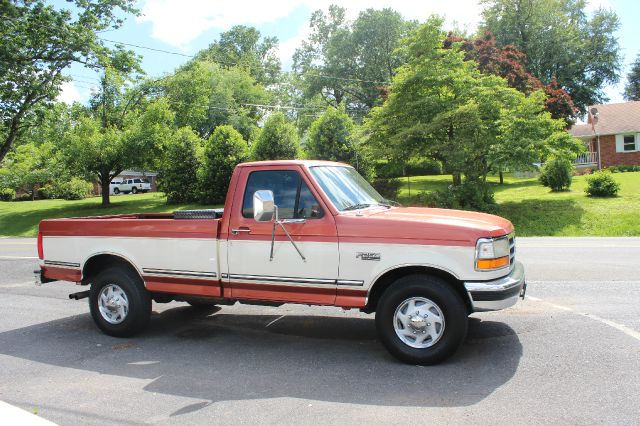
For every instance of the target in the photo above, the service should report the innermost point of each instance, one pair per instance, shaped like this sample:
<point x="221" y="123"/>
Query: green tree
<point x="38" y="43"/>
<point x="178" y="177"/>
<point x="443" y="107"/>
<point x="632" y="88"/>
<point x="331" y="137"/>
<point x="243" y="47"/>
<point x="28" y="166"/>
<point x="278" y="140"/>
<point x="205" y="95"/>
<point x="223" y="151"/>
<point x="561" y="42"/>
<point x="351" y="63"/>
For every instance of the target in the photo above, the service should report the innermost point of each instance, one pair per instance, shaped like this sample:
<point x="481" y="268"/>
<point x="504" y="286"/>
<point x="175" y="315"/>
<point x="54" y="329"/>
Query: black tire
<point x="116" y="191"/>
<point x="441" y="294"/>
<point x="134" y="190"/>
<point x="139" y="302"/>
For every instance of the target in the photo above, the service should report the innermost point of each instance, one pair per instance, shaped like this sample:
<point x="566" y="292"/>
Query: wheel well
<point x="390" y="277"/>
<point x="100" y="262"/>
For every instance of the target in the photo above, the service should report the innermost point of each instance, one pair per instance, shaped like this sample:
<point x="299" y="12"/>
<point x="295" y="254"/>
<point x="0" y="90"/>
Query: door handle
<point x="239" y="230"/>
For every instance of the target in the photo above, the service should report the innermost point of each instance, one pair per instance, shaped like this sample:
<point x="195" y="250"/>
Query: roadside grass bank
<point x="21" y="218"/>
<point x="536" y="211"/>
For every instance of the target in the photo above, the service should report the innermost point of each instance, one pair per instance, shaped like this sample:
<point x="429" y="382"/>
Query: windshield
<point x="346" y="189"/>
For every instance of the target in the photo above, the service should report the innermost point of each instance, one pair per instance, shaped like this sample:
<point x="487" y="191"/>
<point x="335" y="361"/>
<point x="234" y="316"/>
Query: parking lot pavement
<point x="569" y="353"/>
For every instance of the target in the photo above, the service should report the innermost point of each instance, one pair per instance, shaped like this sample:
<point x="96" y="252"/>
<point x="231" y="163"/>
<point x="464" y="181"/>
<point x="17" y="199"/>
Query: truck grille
<point x="512" y="248"/>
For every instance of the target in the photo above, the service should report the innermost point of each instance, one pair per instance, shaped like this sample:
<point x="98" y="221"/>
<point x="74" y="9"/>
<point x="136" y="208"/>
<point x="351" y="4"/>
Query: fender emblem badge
<point x="368" y="256"/>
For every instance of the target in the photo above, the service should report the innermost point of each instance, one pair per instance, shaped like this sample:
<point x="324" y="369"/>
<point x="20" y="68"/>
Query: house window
<point x="629" y="143"/>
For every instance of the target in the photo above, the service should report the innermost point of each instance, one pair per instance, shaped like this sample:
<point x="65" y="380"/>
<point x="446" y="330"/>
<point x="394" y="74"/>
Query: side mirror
<point x="263" y="206"/>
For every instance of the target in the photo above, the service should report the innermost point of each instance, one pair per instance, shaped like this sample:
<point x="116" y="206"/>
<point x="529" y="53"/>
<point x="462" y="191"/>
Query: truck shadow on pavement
<point x="221" y="356"/>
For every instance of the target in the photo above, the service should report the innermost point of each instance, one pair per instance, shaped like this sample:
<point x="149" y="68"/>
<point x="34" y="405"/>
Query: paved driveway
<point x="569" y="353"/>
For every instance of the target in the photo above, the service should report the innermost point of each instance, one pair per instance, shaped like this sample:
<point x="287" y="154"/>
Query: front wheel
<point x="421" y="319"/>
<point x="116" y="191"/>
<point x="119" y="303"/>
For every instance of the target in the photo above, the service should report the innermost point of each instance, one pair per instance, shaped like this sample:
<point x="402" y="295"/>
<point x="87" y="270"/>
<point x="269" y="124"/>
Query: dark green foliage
<point x="623" y="169"/>
<point x="278" y="140"/>
<point x="66" y="189"/>
<point x="556" y="174"/>
<point x="178" y="177"/>
<point x="224" y="149"/>
<point x="602" y="184"/>
<point x="413" y="167"/>
<point x="470" y="195"/>
<point x="331" y="137"/>
<point x="388" y="188"/>
<point x="44" y="193"/>
<point x="632" y="87"/>
<point x="7" y="194"/>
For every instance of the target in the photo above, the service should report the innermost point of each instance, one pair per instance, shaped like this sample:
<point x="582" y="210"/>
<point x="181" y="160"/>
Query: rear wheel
<point x="134" y="190"/>
<point x="119" y="303"/>
<point x="421" y="319"/>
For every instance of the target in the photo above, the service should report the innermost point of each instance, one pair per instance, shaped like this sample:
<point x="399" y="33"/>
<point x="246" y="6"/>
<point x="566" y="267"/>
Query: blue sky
<point x="186" y="26"/>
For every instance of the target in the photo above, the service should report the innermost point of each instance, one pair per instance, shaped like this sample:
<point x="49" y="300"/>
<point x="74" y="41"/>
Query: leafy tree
<point x="29" y="166"/>
<point x="560" y="42"/>
<point x="38" y="43"/>
<point x="510" y="63"/>
<point x="331" y="137"/>
<point x="118" y="132"/>
<point x="278" y="140"/>
<point x="632" y="88"/>
<point x="443" y="107"/>
<point x="205" y="95"/>
<point x="223" y="151"/>
<point x="178" y="177"/>
<point x="351" y="63"/>
<point x="242" y="46"/>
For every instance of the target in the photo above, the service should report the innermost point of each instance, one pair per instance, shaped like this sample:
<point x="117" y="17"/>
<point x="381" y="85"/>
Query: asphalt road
<point x="568" y="354"/>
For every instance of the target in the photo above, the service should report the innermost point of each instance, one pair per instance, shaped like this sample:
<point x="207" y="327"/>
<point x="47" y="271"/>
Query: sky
<point x="183" y="27"/>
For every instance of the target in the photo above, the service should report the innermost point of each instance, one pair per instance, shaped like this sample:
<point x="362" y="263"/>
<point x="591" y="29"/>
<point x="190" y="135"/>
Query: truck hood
<point x="435" y="226"/>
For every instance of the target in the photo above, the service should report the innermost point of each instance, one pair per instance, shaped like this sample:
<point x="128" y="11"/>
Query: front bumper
<point x="497" y="294"/>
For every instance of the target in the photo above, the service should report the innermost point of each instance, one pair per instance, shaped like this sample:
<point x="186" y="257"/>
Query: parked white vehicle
<point x="126" y="186"/>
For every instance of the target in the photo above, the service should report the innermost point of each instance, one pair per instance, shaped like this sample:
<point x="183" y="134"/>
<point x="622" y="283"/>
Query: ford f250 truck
<point x="308" y="232"/>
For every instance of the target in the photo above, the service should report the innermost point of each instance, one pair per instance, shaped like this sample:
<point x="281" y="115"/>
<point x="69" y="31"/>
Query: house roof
<point x="611" y="119"/>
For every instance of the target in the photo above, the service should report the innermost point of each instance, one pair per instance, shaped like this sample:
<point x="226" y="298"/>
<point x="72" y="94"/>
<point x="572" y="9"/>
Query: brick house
<point x="612" y="135"/>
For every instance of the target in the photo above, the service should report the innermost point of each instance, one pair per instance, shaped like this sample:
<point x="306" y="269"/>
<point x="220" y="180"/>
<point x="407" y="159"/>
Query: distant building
<point x="612" y="135"/>
<point x="133" y="174"/>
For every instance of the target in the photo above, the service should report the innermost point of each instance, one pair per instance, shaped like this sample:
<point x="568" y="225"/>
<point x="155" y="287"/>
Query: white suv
<point x="130" y="186"/>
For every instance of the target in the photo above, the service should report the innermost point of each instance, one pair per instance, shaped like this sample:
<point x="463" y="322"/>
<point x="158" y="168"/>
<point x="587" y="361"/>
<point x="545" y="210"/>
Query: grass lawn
<point x="21" y="218"/>
<point x="536" y="211"/>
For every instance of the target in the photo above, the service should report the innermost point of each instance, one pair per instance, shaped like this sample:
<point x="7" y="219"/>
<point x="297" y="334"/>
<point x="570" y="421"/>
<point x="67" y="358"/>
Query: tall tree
<point x="632" y="88"/>
<point x="38" y="43"/>
<point x="331" y="137"/>
<point x="278" y="140"/>
<point x="177" y="176"/>
<point x="561" y="41"/>
<point x="443" y="107"/>
<point x="351" y="63"/>
<point x="245" y="48"/>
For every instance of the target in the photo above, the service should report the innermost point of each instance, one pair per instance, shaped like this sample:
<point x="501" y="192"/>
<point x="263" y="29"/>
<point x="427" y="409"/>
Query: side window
<point x="137" y="180"/>
<point x="290" y="192"/>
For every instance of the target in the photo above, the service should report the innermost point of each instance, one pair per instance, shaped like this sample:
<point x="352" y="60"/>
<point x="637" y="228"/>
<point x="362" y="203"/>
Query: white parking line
<point x="277" y="319"/>
<point x="621" y="327"/>
<point x="18" y="257"/>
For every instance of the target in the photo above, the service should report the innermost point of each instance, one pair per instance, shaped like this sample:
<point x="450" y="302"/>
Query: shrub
<point x="7" y="194"/>
<point x="178" y="173"/>
<point x="556" y="174"/>
<point x="75" y="189"/>
<point x="44" y="192"/>
<point x="23" y="197"/>
<point x="278" y="140"/>
<point x="623" y="169"/>
<point x="420" y="167"/>
<point x="470" y="195"/>
<point x="602" y="184"/>
<point x="388" y="188"/>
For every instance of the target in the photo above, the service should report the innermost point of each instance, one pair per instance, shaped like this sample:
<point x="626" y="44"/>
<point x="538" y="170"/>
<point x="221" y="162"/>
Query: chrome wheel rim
<point x="418" y="322"/>
<point x="113" y="304"/>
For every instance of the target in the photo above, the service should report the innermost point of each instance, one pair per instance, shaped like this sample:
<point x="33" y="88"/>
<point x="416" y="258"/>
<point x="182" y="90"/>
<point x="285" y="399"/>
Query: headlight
<point x="492" y="253"/>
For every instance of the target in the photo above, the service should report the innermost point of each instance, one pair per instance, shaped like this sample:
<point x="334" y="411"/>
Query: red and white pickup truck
<point x="309" y="232"/>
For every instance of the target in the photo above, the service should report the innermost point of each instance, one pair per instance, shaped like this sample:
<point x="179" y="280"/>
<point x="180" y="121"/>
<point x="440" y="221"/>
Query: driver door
<point x="287" y="277"/>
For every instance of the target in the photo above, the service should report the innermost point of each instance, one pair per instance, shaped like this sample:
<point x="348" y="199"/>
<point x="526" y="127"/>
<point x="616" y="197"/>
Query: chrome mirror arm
<point x="277" y="221"/>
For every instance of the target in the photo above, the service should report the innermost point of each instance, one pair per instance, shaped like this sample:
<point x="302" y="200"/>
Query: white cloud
<point x="178" y="22"/>
<point x="69" y="93"/>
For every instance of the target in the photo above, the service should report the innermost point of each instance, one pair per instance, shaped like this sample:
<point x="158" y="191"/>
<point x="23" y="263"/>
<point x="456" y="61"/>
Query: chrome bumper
<point x="497" y="294"/>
